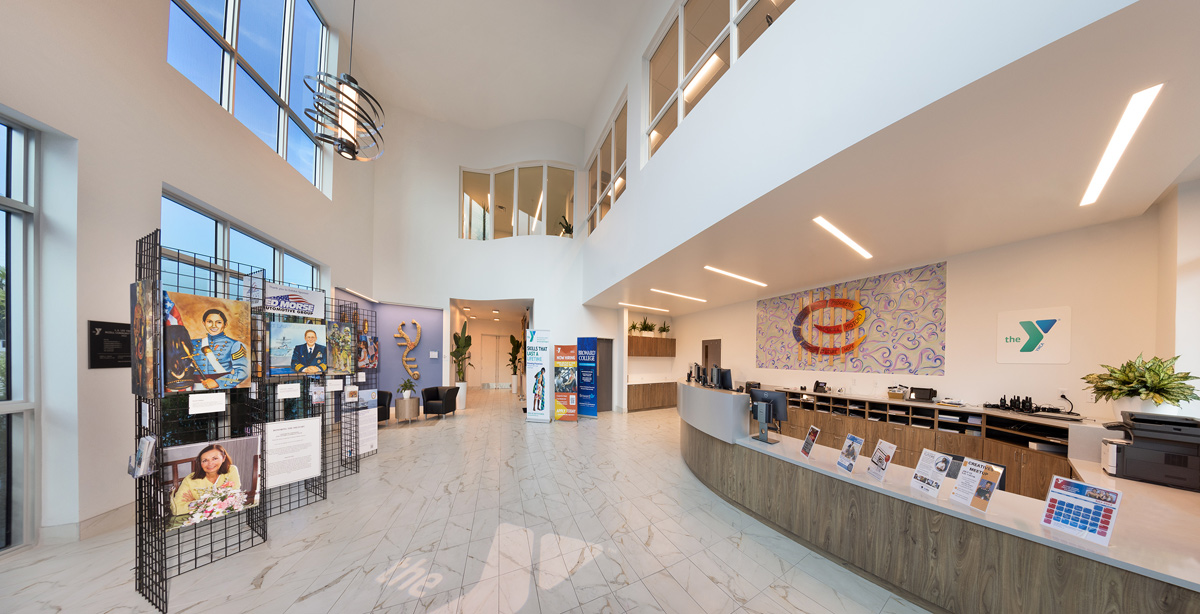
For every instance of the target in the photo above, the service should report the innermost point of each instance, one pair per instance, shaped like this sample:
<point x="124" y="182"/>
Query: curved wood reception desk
<point x="948" y="555"/>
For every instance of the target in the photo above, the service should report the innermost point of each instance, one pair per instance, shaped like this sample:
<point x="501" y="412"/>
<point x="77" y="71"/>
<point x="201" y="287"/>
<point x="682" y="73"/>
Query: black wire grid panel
<point x="341" y="436"/>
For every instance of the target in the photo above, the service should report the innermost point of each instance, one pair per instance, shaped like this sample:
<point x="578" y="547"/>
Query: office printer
<point x="1162" y="449"/>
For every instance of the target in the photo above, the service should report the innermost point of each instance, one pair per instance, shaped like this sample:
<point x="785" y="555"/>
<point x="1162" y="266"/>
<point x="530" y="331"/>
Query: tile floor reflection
<point x="482" y="512"/>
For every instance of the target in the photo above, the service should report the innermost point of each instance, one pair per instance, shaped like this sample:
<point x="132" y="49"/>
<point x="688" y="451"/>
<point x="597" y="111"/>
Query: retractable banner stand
<point x="586" y="376"/>
<point x="565" y="404"/>
<point x="539" y="375"/>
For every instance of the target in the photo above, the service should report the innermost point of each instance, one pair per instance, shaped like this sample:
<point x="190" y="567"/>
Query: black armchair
<point x="441" y="400"/>
<point x="385" y="406"/>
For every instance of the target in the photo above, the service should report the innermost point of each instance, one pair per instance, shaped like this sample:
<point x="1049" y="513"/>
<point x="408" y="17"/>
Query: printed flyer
<point x="849" y="454"/>
<point x="931" y="472"/>
<point x="810" y="441"/>
<point x="884" y="453"/>
<point x="1081" y="509"/>
<point x="977" y="481"/>
<point x="565" y="393"/>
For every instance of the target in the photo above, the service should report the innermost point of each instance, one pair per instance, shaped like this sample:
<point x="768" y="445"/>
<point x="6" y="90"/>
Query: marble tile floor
<point x="483" y="512"/>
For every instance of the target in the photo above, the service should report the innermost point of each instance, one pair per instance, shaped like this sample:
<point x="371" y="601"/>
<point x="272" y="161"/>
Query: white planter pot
<point x="515" y="383"/>
<point x="1135" y="404"/>
<point x="407" y="393"/>
<point x="462" y="395"/>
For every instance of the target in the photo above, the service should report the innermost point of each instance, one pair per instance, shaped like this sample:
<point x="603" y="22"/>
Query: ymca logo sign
<point x="1041" y="336"/>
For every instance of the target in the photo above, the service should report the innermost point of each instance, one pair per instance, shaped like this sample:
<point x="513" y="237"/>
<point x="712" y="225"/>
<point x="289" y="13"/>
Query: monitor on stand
<point x="713" y="376"/>
<point x="768" y="406"/>
<point x="726" y="379"/>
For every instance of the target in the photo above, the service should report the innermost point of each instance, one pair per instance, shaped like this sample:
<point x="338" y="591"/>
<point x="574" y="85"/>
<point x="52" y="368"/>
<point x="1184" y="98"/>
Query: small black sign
<point x="108" y="345"/>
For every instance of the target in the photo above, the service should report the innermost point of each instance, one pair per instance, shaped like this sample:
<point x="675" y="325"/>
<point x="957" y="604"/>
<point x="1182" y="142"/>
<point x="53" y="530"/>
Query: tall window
<point x="16" y="411"/>
<point x="251" y="56"/>
<point x="197" y="246"/>
<point x="609" y="162"/>
<point x="528" y="199"/>
<point x="700" y="41"/>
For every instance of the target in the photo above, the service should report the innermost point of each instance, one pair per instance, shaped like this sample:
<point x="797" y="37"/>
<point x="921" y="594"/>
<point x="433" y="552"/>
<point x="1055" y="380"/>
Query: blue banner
<point x="586" y="356"/>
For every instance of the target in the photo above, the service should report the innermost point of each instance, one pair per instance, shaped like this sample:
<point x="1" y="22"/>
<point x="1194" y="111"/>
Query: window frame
<point x="597" y="195"/>
<point x="231" y="61"/>
<point x="465" y="219"/>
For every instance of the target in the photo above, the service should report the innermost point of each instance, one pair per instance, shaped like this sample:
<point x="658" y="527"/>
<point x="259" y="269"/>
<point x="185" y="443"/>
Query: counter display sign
<point x="810" y="441"/>
<point x="931" y="472"/>
<point x="294" y="301"/>
<point x="976" y="483"/>
<point x="850" y="451"/>
<point x="539" y="374"/>
<point x="586" y="374"/>
<point x="884" y="453"/>
<point x="109" y="345"/>
<point x="1081" y="509"/>
<point x="565" y="403"/>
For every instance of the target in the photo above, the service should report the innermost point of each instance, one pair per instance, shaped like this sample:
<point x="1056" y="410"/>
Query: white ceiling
<point x="510" y="310"/>
<point x="1004" y="159"/>
<point x="488" y="63"/>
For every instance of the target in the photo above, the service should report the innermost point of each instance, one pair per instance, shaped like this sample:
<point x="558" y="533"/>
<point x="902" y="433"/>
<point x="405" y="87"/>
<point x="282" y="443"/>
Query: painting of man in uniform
<point x="297" y="348"/>
<point x="207" y="342"/>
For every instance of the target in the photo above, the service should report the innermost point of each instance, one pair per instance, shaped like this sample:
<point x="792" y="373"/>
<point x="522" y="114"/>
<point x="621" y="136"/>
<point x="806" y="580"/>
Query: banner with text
<point x="566" y="406"/>
<point x="539" y="371"/>
<point x="586" y="374"/>
<point x="295" y="301"/>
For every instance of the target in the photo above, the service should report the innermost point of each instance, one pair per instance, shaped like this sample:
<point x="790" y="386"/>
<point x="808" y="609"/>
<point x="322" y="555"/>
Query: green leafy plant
<point x="462" y="345"/>
<point x="664" y="328"/>
<point x="646" y="326"/>
<point x="514" y="354"/>
<point x="407" y="385"/>
<point x="633" y="327"/>
<point x="1150" y="380"/>
<point x="568" y="228"/>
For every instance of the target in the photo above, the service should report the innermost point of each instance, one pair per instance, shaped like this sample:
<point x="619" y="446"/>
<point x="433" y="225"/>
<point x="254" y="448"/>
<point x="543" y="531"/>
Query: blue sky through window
<point x="260" y="38"/>
<point x="194" y="53"/>
<point x="254" y="108"/>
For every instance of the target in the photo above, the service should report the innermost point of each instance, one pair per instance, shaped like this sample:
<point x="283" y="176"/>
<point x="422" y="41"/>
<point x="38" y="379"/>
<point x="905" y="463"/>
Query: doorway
<point x="710" y="352"/>
<point x="490" y="365"/>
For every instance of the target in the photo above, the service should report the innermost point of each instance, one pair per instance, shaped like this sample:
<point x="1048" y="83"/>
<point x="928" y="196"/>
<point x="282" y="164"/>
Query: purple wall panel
<point x="391" y="368"/>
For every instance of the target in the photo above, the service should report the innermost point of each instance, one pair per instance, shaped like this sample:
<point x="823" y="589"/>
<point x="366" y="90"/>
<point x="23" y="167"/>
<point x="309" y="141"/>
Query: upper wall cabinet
<point x="651" y="346"/>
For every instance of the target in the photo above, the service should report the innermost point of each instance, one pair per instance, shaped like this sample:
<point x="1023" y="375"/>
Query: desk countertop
<point x="1155" y="534"/>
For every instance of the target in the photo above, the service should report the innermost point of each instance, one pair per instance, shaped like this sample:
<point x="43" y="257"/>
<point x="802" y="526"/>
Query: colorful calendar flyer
<point x="1081" y="509"/>
<point x="809" y="441"/>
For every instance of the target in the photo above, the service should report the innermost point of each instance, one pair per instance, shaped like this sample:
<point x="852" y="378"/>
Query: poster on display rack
<point x="539" y="367"/>
<point x="586" y="376"/>
<point x="291" y="301"/>
<point x="565" y="404"/>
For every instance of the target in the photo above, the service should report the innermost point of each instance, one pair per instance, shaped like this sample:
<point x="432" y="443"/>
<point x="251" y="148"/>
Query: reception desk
<point x="945" y="554"/>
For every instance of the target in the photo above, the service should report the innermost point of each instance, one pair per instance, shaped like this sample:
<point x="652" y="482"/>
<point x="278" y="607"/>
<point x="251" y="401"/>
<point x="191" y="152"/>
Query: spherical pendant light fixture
<point x="350" y="118"/>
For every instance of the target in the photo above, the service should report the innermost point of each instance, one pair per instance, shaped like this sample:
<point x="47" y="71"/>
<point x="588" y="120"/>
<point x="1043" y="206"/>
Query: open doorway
<point x="710" y="353"/>
<point x="490" y="324"/>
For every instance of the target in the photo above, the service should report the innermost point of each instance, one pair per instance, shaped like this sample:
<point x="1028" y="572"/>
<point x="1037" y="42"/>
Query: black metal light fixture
<point x="349" y="116"/>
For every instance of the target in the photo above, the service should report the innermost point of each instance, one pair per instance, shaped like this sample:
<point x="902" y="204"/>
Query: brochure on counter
<point x="1081" y="509"/>
<point x="850" y="451"/>
<point x="931" y="472"/>
<point x="884" y="453"/>
<point x="810" y="441"/>
<point x="977" y="481"/>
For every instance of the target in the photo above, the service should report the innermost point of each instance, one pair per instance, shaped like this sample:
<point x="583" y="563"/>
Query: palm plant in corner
<point x="514" y="359"/>
<point x="460" y="355"/>
<point x="1142" y="385"/>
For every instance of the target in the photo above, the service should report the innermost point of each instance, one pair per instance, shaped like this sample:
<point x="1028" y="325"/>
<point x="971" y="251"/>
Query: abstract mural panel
<point x="890" y="323"/>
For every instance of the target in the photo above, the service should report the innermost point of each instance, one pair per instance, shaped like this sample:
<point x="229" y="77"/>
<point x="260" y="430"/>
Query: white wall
<point x="1105" y="273"/>
<point x="99" y="76"/>
<point x="823" y="77"/>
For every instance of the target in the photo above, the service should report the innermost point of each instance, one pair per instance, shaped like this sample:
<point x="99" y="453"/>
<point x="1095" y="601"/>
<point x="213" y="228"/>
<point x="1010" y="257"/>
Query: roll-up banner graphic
<point x="586" y="376"/>
<point x="539" y="376"/>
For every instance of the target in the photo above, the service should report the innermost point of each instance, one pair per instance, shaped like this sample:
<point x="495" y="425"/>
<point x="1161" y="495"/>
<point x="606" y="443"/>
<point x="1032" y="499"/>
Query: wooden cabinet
<point x="651" y="346"/>
<point x="1013" y="459"/>
<point x="962" y="445"/>
<point x="1039" y="469"/>
<point x="652" y="396"/>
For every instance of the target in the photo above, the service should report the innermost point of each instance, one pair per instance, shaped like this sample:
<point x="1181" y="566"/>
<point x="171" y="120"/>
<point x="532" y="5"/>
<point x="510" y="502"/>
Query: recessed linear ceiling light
<point x="472" y="317"/>
<point x="496" y="319"/>
<point x="645" y="307"/>
<point x="734" y="275"/>
<point x="833" y="230"/>
<point x="495" y="311"/>
<point x="466" y="308"/>
<point x="1135" y="112"/>
<point x="690" y="298"/>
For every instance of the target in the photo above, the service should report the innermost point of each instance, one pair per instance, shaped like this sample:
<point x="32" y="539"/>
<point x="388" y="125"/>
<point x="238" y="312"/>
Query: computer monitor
<point x="726" y="379"/>
<point x="777" y="410"/>
<point x="712" y="376"/>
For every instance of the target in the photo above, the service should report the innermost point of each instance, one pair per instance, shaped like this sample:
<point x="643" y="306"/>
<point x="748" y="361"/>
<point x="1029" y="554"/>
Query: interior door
<point x="490" y="375"/>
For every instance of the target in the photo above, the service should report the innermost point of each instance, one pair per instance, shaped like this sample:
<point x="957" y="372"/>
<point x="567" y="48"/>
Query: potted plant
<point x="633" y="328"/>
<point x="1142" y="386"/>
<point x="406" y="389"/>
<point x="514" y="359"/>
<point x="460" y="355"/>
<point x="568" y="229"/>
<point x="647" y="327"/>
<point x="663" y="329"/>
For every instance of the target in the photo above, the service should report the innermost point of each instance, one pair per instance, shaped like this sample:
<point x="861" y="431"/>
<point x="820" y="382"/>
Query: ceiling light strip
<point x="734" y="275"/>
<point x="1135" y="112"/>
<point x="833" y="230"/>
<point x="645" y="307"/>
<point x="690" y="298"/>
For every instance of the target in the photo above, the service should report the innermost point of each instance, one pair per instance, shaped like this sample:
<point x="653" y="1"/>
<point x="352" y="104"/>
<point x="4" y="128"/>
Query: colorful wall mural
<point x="891" y="323"/>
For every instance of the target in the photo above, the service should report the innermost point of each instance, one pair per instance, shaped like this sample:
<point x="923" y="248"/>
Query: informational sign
<point x="849" y="453"/>
<point x="318" y="393"/>
<point x="109" y="345"/>
<point x="977" y="481"/>
<point x="334" y="385"/>
<point x="361" y="375"/>
<point x="1034" y="336"/>
<point x="884" y="453"/>
<point x="207" y="403"/>
<point x="288" y="391"/>
<point x="350" y="396"/>
<point x="566" y="404"/>
<point x="1081" y="509"/>
<point x="587" y="373"/>
<point x="294" y="301"/>
<point x="293" y="451"/>
<point x="810" y="441"/>
<point x="931" y="472"/>
<point x="539" y="367"/>
<point x="368" y="429"/>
